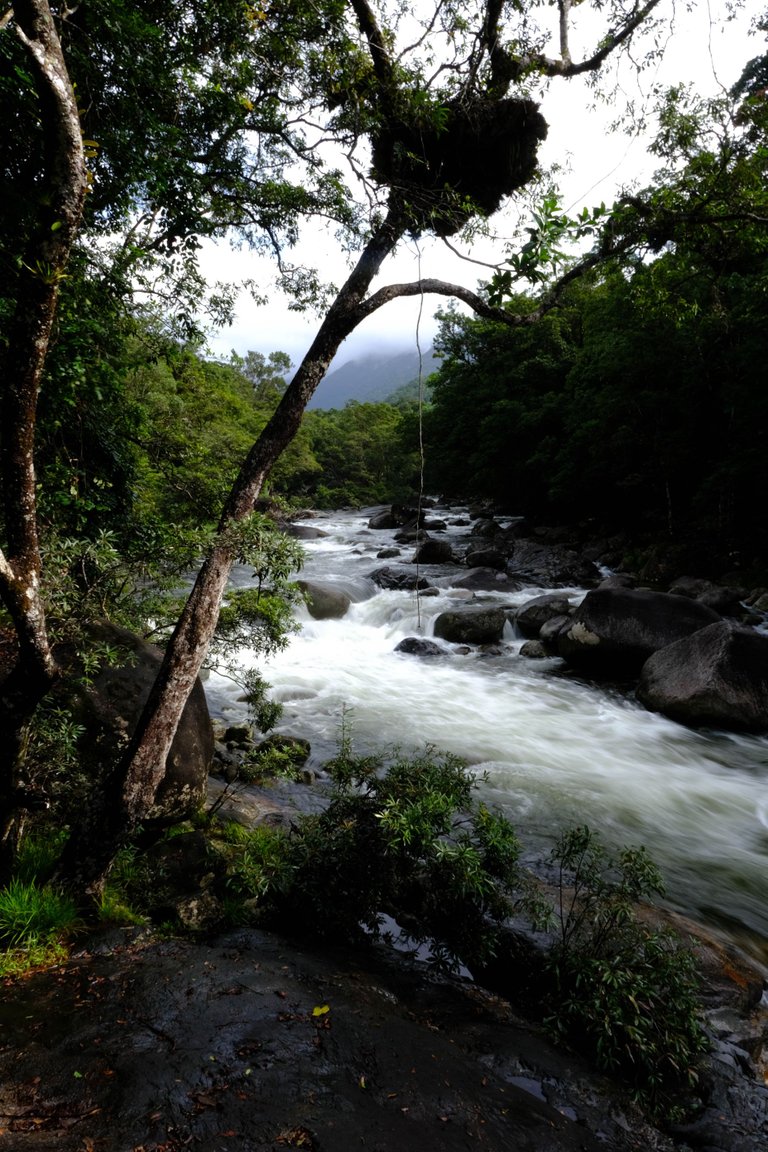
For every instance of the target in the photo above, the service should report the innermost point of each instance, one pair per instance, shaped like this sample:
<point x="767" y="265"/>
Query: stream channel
<point x="552" y="749"/>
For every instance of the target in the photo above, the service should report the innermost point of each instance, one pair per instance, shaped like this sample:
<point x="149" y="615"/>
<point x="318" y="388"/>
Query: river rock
<point x="324" y="602"/>
<point x="533" y="650"/>
<point x="716" y="677"/>
<point x="388" y="553"/>
<point x="410" y="535"/>
<point x="534" y="613"/>
<point x="471" y="625"/>
<point x="615" y="630"/>
<point x="120" y="692"/>
<point x="303" y="532"/>
<point x="550" y="565"/>
<point x="726" y="601"/>
<point x="397" y="579"/>
<point x="380" y="521"/>
<point x="485" y="527"/>
<point x="417" y="646"/>
<point x="486" y="558"/>
<point x="486" y="580"/>
<point x="432" y="551"/>
<point x="551" y="629"/>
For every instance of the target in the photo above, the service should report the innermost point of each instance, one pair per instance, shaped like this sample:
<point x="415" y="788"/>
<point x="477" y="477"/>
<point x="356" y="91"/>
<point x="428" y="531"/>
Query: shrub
<point x="406" y="840"/>
<point x="624" y="990"/>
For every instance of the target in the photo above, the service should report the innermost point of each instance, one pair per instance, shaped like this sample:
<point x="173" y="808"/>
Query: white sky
<point x="703" y="48"/>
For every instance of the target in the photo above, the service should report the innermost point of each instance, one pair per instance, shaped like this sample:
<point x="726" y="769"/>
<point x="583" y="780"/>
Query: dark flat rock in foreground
<point x="229" y="1046"/>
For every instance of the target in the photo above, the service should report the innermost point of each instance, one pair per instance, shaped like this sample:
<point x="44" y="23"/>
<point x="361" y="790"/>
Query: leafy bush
<point x="409" y="841"/>
<point x="622" y="989"/>
<point x="258" y="866"/>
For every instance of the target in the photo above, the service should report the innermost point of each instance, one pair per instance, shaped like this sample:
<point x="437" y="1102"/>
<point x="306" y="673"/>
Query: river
<point x="552" y="750"/>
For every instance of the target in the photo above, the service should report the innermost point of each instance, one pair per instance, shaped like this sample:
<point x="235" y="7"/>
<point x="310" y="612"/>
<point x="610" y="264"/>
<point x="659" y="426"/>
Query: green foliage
<point x="624" y="990"/>
<point x="545" y="255"/>
<point x="637" y="404"/>
<point x="404" y="838"/>
<point x="366" y="453"/>
<point x="32" y="915"/>
<point x="259" y="860"/>
<point x="258" y="619"/>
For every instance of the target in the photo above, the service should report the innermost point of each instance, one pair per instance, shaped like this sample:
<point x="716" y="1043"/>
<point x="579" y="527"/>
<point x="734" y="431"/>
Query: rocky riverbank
<point x="247" y="1043"/>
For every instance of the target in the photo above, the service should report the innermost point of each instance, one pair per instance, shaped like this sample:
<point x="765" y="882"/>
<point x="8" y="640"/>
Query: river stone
<point x="532" y="615"/>
<point x="718" y="677"/>
<point x="416" y="646"/>
<point x="486" y="580"/>
<point x="486" y="558"/>
<point x="615" y="630"/>
<point x="397" y="579"/>
<point x="382" y="520"/>
<point x="485" y="528"/>
<point x="433" y="552"/>
<point x="551" y="629"/>
<point x="303" y="532"/>
<point x="725" y="600"/>
<point x="387" y="553"/>
<point x="471" y="625"/>
<point x="324" y="602"/>
<point x="121" y="691"/>
<point x="551" y="565"/>
<point x="533" y="650"/>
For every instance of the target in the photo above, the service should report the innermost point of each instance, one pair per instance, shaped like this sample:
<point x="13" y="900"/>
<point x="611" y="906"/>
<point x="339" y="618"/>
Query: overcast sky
<point x="701" y="49"/>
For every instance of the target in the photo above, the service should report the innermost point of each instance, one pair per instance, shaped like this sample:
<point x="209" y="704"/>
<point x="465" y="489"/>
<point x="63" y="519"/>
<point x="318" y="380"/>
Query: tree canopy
<point x="142" y="128"/>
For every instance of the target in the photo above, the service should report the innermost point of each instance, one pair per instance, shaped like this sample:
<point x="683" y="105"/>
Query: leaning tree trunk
<point x="130" y="791"/>
<point x="61" y="194"/>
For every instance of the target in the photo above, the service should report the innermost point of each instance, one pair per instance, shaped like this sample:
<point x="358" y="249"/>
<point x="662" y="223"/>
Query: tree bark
<point x="61" y="193"/>
<point x="131" y="788"/>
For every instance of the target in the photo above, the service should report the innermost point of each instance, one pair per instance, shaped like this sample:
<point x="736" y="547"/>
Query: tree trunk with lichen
<point x="46" y="254"/>
<point x="132" y="786"/>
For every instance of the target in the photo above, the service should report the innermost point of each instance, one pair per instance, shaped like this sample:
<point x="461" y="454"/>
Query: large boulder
<point x="304" y="532"/>
<point x="382" y="520"/>
<point x="717" y="677"/>
<point x="471" y="625"/>
<point x="432" y="551"/>
<point x="726" y="600"/>
<point x="532" y="615"/>
<point x="397" y="579"/>
<point x="615" y="630"/>
<point x="486" y="558"/>
<point x="551" y="565"/>
<point x="119" y="694"/>
<point x="486" y="580"/>
<point x="324" y="602"/>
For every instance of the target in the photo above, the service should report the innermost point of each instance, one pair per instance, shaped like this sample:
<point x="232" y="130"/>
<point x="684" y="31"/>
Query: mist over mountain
<point x="372" y="377"/>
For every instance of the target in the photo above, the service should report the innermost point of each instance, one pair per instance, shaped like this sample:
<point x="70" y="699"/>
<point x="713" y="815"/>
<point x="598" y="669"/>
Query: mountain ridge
<point x="373" y="378"/>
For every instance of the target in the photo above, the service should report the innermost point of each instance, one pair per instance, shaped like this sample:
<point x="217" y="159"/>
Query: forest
<point x="610" y="377"/>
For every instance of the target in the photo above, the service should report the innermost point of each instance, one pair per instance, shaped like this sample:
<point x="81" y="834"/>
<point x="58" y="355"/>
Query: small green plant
<point x="31" y="915"/>
<point x="258" y="868"/>
<point x="39" y="851"/>
<point x="621" y="988"/>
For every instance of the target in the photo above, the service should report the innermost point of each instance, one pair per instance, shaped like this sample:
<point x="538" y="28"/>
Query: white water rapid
<point x="556" y="751"/>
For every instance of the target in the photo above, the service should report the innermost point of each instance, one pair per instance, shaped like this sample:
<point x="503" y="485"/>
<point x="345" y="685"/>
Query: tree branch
<point x="382" y="64"/>
<point x="564" y="66"/>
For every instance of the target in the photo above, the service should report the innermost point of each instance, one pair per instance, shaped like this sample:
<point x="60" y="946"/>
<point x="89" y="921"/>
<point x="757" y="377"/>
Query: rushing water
<point x="554" y="750"/>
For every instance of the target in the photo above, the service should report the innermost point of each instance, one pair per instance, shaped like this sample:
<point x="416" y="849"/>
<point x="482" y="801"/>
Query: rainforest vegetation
<point x="612" y="374"/>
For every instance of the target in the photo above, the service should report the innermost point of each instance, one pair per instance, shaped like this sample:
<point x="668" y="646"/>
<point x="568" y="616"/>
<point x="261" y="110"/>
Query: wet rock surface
<point x="249" y="1043"/>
